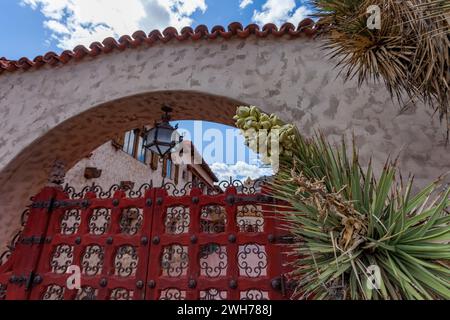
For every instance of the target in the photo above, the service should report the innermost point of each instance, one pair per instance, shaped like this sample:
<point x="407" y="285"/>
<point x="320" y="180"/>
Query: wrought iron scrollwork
<point x="5" y="255"/>
<point x="92" y="261"/>
<point x="104" y="194"/>
<point x="177" y="220"/>
<point x="131" y="220"/>
<point x="73" y="194"/>
<point x="213" y="260"/>
<point x="141" y="191"/>
<point x="121" y="294"/>
<point x="252" y="260"/>
<point x="172" y="294"/>
<point x="243" y="188"/>
<point x="175" y="191"/>
<point x="250" y="218"/>
<point x="213" y="294"/>
<point x="62" y="258"/>
<point x="98" y="190"/>
<point x="54" y="292"/>
<point x="171" y="188"/>
<point x="99" y="221"/>
<point x="213" y="219"/>
<point x="126" y="261"/>
<point x="86" y="293"/>
<point x="184" y="190"/>
<point x="70" y="222"/>
<point x="254" y="294"/>
<point x="174" y="260"/>
<point x="24" y="217"/>
<point x="3" y="288"/>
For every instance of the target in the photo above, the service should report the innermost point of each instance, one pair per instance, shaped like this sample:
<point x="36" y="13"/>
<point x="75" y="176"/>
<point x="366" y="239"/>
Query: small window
<point x="133" y="144"/>
<point x="129" y="143"/>
<point x="169" y="168"/>
<point x="141" y="154"/>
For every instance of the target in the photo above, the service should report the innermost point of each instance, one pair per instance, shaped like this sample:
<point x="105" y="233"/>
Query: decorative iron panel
<point x="151" y="243"/>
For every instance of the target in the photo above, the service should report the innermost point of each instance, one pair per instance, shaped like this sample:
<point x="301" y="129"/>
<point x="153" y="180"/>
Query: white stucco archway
<point x="68" y="110"/>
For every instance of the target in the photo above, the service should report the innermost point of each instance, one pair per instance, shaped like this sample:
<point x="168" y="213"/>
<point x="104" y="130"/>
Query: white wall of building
<point x="118" y="166"/>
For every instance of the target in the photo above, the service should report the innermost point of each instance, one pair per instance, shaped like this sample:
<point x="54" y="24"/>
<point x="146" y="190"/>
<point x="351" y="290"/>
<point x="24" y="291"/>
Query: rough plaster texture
<point x="66" y="112"/>
<point x="116" y="166"/>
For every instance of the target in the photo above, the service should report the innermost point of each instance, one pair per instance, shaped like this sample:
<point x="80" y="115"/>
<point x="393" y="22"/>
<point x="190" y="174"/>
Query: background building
<point x="124" y="160"/>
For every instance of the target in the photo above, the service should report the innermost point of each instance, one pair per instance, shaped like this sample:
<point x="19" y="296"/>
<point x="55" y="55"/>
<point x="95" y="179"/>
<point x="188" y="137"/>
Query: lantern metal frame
<point x="154" y="134"/>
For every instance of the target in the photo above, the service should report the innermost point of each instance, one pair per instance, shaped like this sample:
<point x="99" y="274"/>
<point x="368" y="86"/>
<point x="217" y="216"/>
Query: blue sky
<point x="33" y="27"/>
<point x="223" y="149"/>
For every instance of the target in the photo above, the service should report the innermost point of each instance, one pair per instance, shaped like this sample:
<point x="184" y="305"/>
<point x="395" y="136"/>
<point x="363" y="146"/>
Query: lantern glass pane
<point x="151" y="136"/>
<point x="164" y="149"/>
<point x="153" y="149"/>
<point x="165" y="134"/>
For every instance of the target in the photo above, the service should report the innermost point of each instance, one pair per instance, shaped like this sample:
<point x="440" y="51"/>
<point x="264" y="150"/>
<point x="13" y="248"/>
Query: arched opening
<point x="77" y="137"/>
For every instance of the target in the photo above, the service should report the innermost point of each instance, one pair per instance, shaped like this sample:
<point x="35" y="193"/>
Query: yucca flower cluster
<point x="260" y="129"/>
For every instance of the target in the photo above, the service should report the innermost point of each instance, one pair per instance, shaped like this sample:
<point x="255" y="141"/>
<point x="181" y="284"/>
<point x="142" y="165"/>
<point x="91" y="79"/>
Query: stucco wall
<point x="66" y="112"/>
<point x="116" y="166"/>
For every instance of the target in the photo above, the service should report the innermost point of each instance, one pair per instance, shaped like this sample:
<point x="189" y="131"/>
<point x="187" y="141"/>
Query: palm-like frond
<point x="345" y="220"/>
<point x="410" y="53"/>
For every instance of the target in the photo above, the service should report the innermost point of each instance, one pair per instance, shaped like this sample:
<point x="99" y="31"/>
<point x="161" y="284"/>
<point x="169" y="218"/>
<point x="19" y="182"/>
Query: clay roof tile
<point x="306" y="27"/>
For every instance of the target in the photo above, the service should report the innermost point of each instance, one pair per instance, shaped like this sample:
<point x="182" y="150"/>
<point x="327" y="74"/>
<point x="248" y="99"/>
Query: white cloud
<point x="279" y="12"/>
<point x="74" y="22"/>
<point x="56" y="26"/>
<point x="245" y="3"/>
<point x="241" y="170"/>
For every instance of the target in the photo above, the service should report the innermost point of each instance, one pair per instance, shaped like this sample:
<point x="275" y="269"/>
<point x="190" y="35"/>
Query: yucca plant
<point x="410" y="52"/>
<point x="345" y="220"/>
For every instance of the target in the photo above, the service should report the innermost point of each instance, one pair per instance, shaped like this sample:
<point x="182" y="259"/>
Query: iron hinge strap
<point x="54" y="204"/>
<point x="38" y="240"/>
<point x="258" y="198"/>
<point x="28" y="281"/>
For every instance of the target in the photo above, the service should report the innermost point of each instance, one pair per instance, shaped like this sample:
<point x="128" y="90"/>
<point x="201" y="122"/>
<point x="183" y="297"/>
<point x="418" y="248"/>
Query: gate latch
<point x="279" y="284"/>
<point x="282" y="284"/>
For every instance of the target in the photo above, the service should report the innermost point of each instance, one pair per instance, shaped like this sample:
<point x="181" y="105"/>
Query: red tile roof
<point x="306" y="27"/>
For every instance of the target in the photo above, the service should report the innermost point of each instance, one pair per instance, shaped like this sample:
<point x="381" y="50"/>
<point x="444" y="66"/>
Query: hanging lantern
<point x="161" y="138"/>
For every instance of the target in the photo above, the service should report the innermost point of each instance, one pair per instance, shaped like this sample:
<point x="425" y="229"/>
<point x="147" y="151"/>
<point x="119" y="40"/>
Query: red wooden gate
<point x="153" y="243"/>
